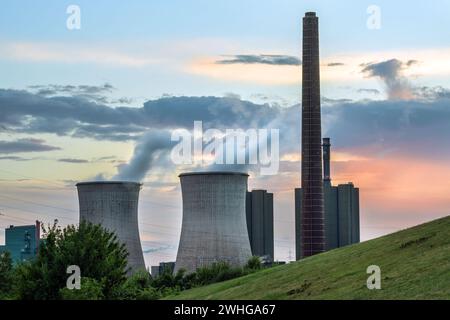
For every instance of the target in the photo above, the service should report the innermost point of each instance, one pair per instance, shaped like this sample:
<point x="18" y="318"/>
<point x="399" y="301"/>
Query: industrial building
<point x="312" y="230"/>
<point x="114" y="205"/>
<point x="259" y="208"/>
<point x="22" y="242"/>
<point x="341" y="210"/>
<point x="214" y="220"/>
<point x="156" y="271"/>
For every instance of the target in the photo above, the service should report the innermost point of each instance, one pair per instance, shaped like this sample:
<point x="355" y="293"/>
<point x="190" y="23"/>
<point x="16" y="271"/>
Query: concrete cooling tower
<point x="214" y="220"/>
<point x="114" y="205"/>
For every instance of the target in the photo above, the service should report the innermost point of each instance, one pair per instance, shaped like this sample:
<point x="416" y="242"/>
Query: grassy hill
<point x="415" y="264"/>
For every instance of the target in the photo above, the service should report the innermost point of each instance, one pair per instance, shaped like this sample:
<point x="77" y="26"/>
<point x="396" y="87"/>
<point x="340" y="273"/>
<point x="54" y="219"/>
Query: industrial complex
<point x="222" y="220"/>
<point x="341" y="210"/>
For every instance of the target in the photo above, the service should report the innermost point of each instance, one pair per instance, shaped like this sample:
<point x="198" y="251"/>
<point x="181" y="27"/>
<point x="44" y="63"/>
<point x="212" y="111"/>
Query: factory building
<point x="114" y="205"/>
<point x="156" y="271"/>
<point x="214" y="220"/>
<point x="22" y="242"/>
<point x="259" y="208"/>
<point x="341" y="210"/>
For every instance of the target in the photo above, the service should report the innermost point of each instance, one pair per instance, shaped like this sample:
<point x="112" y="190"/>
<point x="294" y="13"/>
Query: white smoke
<point x="147" y="150"/>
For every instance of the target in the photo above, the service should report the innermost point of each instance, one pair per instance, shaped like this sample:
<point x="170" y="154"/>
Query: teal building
<point x="22" y="242"/>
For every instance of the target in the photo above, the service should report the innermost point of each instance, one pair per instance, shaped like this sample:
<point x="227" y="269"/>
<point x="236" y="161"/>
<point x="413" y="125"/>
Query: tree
<point x="95" y="250"/>
<point x="90" y="290"/>
<point x="6" y="274"/>
<point x="138" y="287"/>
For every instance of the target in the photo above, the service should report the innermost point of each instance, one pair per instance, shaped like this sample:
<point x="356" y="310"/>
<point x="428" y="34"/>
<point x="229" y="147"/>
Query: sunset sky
<point x="76" y="104"/>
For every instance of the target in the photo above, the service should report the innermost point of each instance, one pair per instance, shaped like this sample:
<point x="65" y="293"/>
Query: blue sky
<point x="163" y="30"/>
<point x="385" y="102"/>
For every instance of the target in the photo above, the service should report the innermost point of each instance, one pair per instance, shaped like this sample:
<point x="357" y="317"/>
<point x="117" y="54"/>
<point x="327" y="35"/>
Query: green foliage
<point x="90" y="289"/>
<point x="219" y="271"/>
<point x="102" y="263"/>
<point x="95" y="250"/>
<point x="253" y="264"/>
<point x="6" y="274"/>
<point x="168" y="282"/>
<point x="137" y="287"/>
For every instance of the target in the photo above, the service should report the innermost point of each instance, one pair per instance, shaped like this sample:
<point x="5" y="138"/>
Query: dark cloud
<point x="86" y="90"/>
<point x="99" y="94"/>
<point x="418" y="128"/>
<point x="158" y="249"/>
<point x="371" y="91"/>
<point x="15" y="158"/>
<point x="25" y="145"/>
<point x="326" y="100"/>
<point x="72" y="160"/>
<point x="411" y="62"/>
<point x="408" y="126"/>
<point x="271" y="59"/>
<point x="106" y="158"/>
<point x="335" y="64"/>
<point x="25" y="112"/>
<point x="432" y="93"/>
<point x="390" y="72"/>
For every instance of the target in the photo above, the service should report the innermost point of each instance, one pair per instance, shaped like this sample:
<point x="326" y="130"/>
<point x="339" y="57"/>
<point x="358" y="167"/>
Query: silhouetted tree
<point x="96" y="251"/>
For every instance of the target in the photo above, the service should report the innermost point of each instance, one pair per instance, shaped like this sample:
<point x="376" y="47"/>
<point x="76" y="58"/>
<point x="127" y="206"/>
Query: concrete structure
<point x="341" y="210"/>
<point x="156" y="271"/>
<point x="22" y="242"/>
<point x="214" y="220"/>
<point x="259" y="208"/>
<point x="312" y="202"/>
<point x="114" y="205"/>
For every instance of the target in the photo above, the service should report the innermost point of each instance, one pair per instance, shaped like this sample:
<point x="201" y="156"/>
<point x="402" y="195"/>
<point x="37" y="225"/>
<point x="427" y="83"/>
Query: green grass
<point x="415" y="264"/>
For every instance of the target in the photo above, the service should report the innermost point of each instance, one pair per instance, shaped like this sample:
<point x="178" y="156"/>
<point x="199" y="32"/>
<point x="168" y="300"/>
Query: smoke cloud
<point x="146" y="152"/>
<point x="390" y="72"/>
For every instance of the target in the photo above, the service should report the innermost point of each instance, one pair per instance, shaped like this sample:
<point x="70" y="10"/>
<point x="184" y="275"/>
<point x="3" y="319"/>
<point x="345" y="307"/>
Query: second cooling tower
<point x="114" y="205"/>
<point x="214" y="220"/>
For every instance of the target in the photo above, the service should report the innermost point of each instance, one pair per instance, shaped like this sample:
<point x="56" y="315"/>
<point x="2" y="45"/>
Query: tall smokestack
<point x="313" y="235"/>
<point x="326" y="145"/>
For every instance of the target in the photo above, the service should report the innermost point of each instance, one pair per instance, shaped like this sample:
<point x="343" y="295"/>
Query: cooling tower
<point x="114" y="205"/>
<point x="214" y="220"/>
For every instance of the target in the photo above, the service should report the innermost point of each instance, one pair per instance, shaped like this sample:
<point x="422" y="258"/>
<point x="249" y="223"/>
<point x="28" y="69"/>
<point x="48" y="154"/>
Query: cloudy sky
<point x="100" y="102"/>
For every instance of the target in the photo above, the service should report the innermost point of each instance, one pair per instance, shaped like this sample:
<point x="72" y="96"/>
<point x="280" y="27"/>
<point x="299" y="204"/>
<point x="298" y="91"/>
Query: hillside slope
<point x="415" y="264"/>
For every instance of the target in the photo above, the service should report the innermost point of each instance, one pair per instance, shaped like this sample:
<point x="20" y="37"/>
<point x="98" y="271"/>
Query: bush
<point x="95" y="250"/>
<point x="253" y="264"/>
<point x="218" y="271"/>
<point x="137" y="287"/>
<point x="90" y="290"/>
<point x="168" y="282"/>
